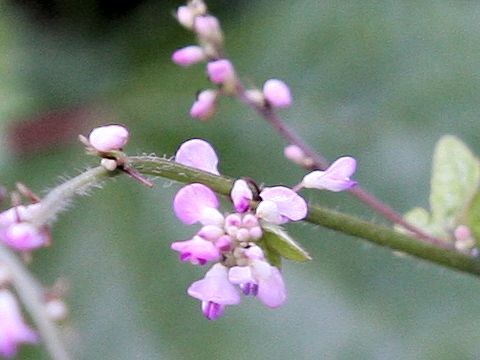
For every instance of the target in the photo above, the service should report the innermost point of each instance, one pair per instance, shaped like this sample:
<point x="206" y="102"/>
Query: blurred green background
<point x="380" y="80"/>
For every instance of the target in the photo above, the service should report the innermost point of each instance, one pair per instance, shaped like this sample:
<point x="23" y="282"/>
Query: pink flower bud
<point x="108" y="138"/>
<point x="185" y="16"/>
<point x="297" y="156"/>
<point x="188" y="55"/>
<point x="241" y="195"/>
<point x="277" y="93"/>
<point x="220" y="71"/>
<point x="205" y="106"/>
<point x="24" y="236"/>
<point x="208" y="28"/>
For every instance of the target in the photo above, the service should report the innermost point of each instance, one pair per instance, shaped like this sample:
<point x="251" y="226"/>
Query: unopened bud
<point x="188" y="55"/>
<point x="277" y="93"/>
<point x="108" y="138"/>
<point x="109" y="164"/>
<point x="185" y="16"/>
<point x="56" y="309"/>
<point x="296" y="155"/>
<point x="205" y="105"/>
<point x="208" y="29"/>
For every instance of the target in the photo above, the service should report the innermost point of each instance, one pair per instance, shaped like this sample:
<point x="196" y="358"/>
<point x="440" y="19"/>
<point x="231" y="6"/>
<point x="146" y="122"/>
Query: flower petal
<point x="271" y="287"/>
<point x="290" y="205"/>
<point x="197" y="250"/>
<point x="199" y="154"/>
<point x="241" y="195"/>
<point x="193" y="202"/>
<point x="335" y="178"/>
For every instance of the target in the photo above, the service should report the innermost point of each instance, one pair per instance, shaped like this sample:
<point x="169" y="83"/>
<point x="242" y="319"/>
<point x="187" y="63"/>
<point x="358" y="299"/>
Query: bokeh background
<point x="380" y="80"/>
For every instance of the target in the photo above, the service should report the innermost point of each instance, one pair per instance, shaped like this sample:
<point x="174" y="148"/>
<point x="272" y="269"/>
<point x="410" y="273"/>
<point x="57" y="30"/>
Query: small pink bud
<point x="297" y="156"/>
<point x="205" y="105"/>
<point x="108" y="138"/>
<point x="185" y="16"/>
<point x="208" y="28"/>
<point x="462" y="233"/>
<point x="188" y="55"/>
<point x="24" y="236"/>
<point x="241" y="195"/>
<point x="220" y="71"/>
<point x="277" y="93"/>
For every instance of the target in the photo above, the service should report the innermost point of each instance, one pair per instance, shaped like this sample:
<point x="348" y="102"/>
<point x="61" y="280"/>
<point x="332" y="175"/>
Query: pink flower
<point x="205" y="105"/>
<point x="13" y="329"/>
<point x="215" y="291"/>
<point x="259" y="279"/>
<point x="197" y="250"/>
<point x="241" y="196"/>
<point x="335" y="178"/>
<point x="17" y="232"/>
<point x="108" y="138"/>
<point x="280" y="204"/>
<point x="220" y="71"/>
<point x="188" y="55"/>
<point x="277" y="93"/>
<point x="197" y="203"/>
<point x="199" y="154"/>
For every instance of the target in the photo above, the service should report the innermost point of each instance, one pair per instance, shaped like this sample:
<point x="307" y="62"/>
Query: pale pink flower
<point x="197" y="203"/>
<point x="205" y="106"/>
<point x="188" y="55"/>
<point x="277" y="93"/>
<point x="197" y="250"/>
<point x="108" y="138"/>
<point x="241" y="195"/>
<point x="13" y="329"/>
<point x="281" y="204"/>
<point x="335" y="178"/>
<point x="220" y="71"/>
<point x="215" y="292"/>
<point x="199" y="154"/>
<point x="186" y="16"/>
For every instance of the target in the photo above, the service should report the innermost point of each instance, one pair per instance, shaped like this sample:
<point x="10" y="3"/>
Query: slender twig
<point x="319" y="162"/>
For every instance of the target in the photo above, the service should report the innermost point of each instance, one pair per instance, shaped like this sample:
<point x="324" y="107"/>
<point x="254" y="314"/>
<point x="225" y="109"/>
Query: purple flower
<point x="277" y="93"/>
<point x="280" y="204"/>
<point x="188" y="55"/>
<point x="241" y="196"/>
<point x="205" y="105"/>
<point x="108" y="138"/>
<point x="197" y="250"/>
<point x="13" y="329"/>
<point x="199" y="154"/>
<point x="197" y="203"/>
<point x="215" y="291"/>
<point x="220" y="71"/>
<point x="335" y="178"/>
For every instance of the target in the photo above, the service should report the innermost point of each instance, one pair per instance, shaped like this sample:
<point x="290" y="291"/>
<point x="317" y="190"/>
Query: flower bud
<point x="241" y="195"/>
<point x="220" y="71"/>
<point x="297" y="156"/>
<point x="188" y="55"/>
<point x="208" y="29"/>
<point x="277" y="93"/>
<point x="205" y="105"/>
<point x="108" y="138"/>
<point x="185" y="16"/>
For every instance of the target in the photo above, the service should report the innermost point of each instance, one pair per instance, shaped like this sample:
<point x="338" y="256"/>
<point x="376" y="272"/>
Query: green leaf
<point x="473" y="217"/>
<point x="455" y="179"/>
<point x="420" y="218"/>
<point x="276" y="239"/>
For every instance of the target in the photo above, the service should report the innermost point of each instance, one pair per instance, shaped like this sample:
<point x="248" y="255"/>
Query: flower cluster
<point x="220" y="70"/>
<point x="233" y="239"/>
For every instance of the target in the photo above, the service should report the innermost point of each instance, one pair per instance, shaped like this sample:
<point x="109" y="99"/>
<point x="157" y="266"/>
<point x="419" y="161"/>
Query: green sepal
<point x="276" y="239"/>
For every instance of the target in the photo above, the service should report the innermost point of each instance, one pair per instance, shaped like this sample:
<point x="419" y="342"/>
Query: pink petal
<point x="343" y="167"/>
<point x="194" y="203"/>
<point x="268" y="211"/>
<point x="220" y="71"/>
<point x="205" y="105"/>
<point x="197" y="250"/>
<point x="215" y="287"/>
<point x="271" y="287"/>
<point x="290" y="205"/>
<point x="24" y="236"/>
<point x="199" y="154"/>
<point x="335" y="178"/>
<point x="241" y="196"/>
<point x="241" y="275"/>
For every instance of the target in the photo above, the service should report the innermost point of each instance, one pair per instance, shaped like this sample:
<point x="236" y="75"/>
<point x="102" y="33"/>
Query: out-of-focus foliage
<point x="379" y="80"/>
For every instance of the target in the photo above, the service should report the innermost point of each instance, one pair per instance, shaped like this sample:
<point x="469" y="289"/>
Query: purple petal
<point x="215" y="287"/>
<point x="199" y="154"/>
<point x="193" y="201"/>
<point x="241" y="275"/>
<point x="289" y="203"/>
<point x="212" y="310"/>
<point x="335" y="178"/>
<point x="197" y="250"/>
